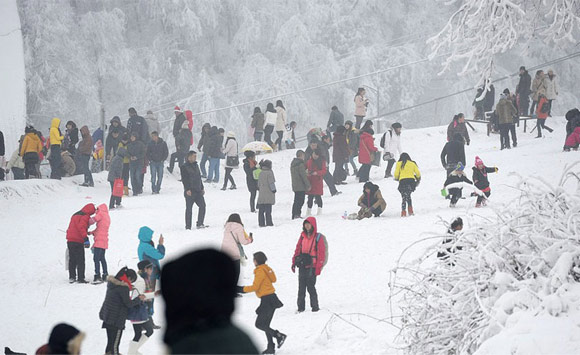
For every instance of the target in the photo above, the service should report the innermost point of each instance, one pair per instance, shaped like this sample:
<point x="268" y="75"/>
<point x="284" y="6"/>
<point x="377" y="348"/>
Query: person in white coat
<point x="232" y="161"/>
<point x="391" y="142"/>
<point x="280" y="122"/>
<point x="270" y="119"/>
<point x="235" y="234"/>
<point x="140" y="315"/>
<point x="551" y="89"/>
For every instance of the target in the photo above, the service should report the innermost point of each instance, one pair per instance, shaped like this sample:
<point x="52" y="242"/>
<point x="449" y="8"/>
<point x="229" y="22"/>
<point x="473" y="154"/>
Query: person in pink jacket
<point x="101" y="241"/>
<point x="235" y="234"/>
<point x="360" y="106"/>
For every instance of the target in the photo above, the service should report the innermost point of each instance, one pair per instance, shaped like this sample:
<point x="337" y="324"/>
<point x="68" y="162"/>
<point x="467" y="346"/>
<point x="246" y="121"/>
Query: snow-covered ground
<point x="13" y="83"/>
<point x="353" y="288"/>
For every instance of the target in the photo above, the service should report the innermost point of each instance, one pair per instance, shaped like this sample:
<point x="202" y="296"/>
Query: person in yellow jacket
<point x="29" y="151"/>
<point x="408" y="175"/>
<point x="264" y="277"/>
<point x="55" y="159"/>
<point x="124" y="143"/>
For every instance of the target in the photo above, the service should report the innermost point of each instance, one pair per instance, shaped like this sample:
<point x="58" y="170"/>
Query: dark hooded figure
<point x="116" y="131"/>
<point x="64" y="339"/>
<point x="453" y="152"/>
<point x="199" y="305"/>
<point x="71" y="137"/>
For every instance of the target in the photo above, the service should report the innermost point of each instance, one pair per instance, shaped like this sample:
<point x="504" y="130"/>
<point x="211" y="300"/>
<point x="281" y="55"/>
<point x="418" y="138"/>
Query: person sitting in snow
<point x="449" y="245"/>
<point x="481" y="181"/>
<point x="456" y="176"/>
<point x="371" y="202"/>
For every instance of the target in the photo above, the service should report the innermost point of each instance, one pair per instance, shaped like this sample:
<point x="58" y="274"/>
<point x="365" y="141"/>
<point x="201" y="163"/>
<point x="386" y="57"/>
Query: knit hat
<point x="144" y="264"/>
<point x="478" y="161"/>
<point x="231" y="134"/>
<point x="176" y="109"/>
<point x="460" y="166"/>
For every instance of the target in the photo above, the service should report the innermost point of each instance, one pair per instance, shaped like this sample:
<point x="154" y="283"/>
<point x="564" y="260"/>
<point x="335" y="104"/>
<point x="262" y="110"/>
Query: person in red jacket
<point x="310" y="257"/>
<point x="573" y="140"/>
<point x="366" y="150"/>
<point x="77" y="240"/>
<point x="542" y="113"/>
<point x="315" y="169"/>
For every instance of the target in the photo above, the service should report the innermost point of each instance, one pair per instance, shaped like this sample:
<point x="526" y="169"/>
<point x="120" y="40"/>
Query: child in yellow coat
<point x="264" y="277"/>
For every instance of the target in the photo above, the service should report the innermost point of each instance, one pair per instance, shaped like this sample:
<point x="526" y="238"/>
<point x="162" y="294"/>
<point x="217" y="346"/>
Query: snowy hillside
<point x="353" y="288"/>
<point x="13" y="83"/>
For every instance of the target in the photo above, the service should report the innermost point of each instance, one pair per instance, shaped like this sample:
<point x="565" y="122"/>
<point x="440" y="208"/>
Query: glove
<point x="294" y="268"/>
<point x="240" y="289"/>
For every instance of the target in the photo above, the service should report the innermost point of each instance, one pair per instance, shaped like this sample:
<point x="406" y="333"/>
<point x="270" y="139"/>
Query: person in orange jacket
<point x="264" y="277"/>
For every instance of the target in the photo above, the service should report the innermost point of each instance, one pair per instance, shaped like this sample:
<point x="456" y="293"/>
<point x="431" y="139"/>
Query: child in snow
<point x="315" y="169"/>
<point x="115" y="308"/>
<point x="264" y="277"/>
<point x="408" y="175"/>
<point x="481" y="181"/>
<point x="573" y="140"/>
<point x="234" y="237"/>
<point x="139" y="315"/>
<point x="310" y="257"/>
<point x="267" y="196"/>
<point x="371" y="202"/>
<point x="449" y="247"/>
<point x="77" y="240"/>
<point x="101" y="237"/>
<point x="456" y="176"/>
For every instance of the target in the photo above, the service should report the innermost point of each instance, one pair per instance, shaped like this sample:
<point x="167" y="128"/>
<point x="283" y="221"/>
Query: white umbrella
<point x="258" y="147"/>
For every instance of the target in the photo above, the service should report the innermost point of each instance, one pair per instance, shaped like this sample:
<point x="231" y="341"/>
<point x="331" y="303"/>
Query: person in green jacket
<point x="300" y="183"/>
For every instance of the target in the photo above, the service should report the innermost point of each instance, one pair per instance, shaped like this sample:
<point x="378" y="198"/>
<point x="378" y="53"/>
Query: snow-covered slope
<point x="353" y="288"/>
<point x="13" y="78"/>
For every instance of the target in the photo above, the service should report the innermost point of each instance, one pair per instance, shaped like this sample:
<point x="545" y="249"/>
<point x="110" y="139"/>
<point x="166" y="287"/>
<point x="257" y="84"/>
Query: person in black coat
<point x="199" y="305"/>
<point x="340" y="155"/>
<point x="523" y="91"/>
<point x="137" y="151"/>
<point x="178" y="123"/>
<point x="456" y="176"/>
<point x="202" y="147"/>
<point x="489" y="99"/>
<point x="324" y="146"/>
<point x="193" y="190"/>
<point x="182" y="145"/>
<point x="71" y="137"/>
<point x="213" y="149"/>
<point x="115" y="308"/>
<point x="157" y="153"/>
<point x="335" y="120"/>
<point x="116" y="132"/>
<point x="481" y="181"/>
<point x="138" y="125"/>
<point x="453" y="152"/>
<point x="249" y="167"/>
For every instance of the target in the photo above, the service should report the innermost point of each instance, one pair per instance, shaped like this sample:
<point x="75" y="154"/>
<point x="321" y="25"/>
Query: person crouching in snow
<point x="310" y="257"/>
<point x="139" y="315"/>
<point x="315" y="169"/>
<point x="264" y="277"/>
<point x="371" y="202"/>
<point x="408" y="175"/>
<point x="77" y="240"/>
<point x="115" y="308"/>
<point x="101" y="237"/>
<point x="456" y="176"/>
<point x="481" y="181"/>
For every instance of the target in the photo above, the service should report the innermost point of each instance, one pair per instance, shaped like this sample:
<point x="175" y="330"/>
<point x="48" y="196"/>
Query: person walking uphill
<point x="267" y="194"/>
<point x="310" y="257"/>
<point x="193" y="190"/>
<point x="408" y="175"/>
<point x="264" y="277"/>
<point x="481" y="181"/>
<point x="137" y="150"/>
<point x="56" y="139"/>
<point x="252" y="183"/>
<point x="232" y="161"/>
<point x="116" y="172"/>
<point x="77" y="240"/>
<point x="101" y="241"/>
<point x="300" y="183"/>
<point x="84" y="156"/>
<point x="116" y="305"/>
<point x="234" y="237"/>
<point x="366" y="151"/>
<point x="360" y="106"/>
<point x="157" y="153"/>
<point x="199" y="290"/>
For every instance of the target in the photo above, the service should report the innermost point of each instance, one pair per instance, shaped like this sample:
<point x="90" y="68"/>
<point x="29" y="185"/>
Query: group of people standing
<point x="263" y="125"/>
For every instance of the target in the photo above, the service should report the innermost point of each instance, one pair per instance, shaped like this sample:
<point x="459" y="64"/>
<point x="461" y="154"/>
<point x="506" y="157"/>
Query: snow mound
<point x="509" y="276"/>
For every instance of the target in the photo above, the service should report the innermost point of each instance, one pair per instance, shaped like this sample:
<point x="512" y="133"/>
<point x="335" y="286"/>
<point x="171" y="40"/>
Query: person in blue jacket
<point x="147" y="251"/>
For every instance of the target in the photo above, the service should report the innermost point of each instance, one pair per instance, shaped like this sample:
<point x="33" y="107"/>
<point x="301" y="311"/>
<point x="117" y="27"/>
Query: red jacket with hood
<point x="366" y="146"/>
<point x="79" y="224"/>
<point x="306" y="245"/>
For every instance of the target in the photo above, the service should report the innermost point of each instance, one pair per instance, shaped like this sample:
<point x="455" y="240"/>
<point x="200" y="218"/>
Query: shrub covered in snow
<point x="525" y="258"/>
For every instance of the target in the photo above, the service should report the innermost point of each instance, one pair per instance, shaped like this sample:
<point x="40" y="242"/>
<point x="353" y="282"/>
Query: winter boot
<point x="403" y="213"/>
<point x="97" y="279"/>
<point x="308" y="212"/>
<point x="280" y="338"/>
<point x="224" y="188"/>
<point x="319" y="211"/>
<point x="411" y="211"/>
<point x="72" y="280"/>
<point x="270" y="349"/>
<point x="233" y="187"/>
